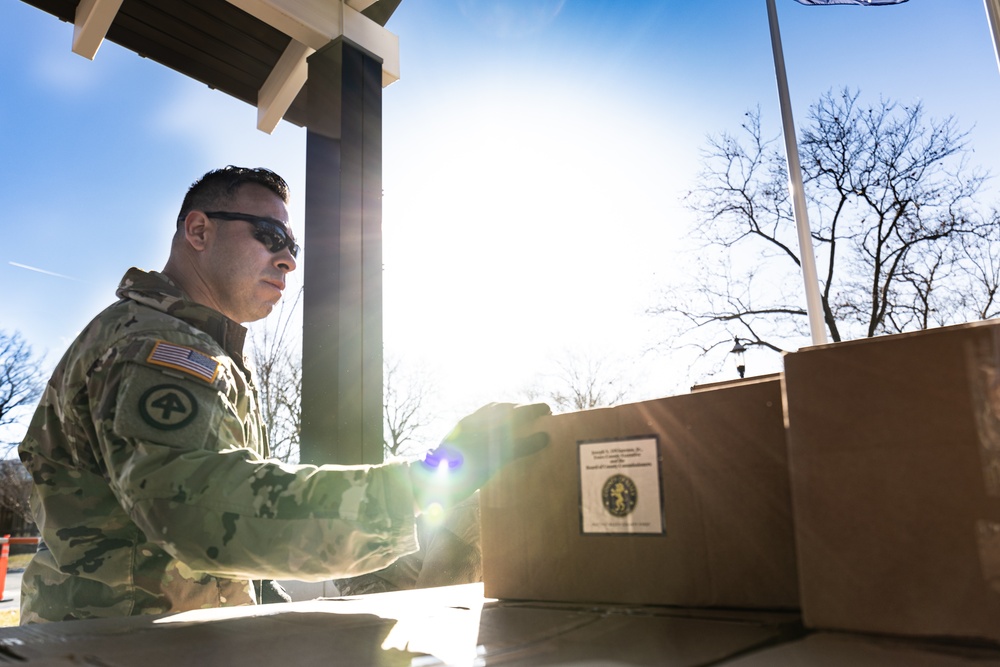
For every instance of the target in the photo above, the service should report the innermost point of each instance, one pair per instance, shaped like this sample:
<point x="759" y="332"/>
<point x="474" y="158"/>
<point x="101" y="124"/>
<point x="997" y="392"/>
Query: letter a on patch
<point x="186" y="359"/>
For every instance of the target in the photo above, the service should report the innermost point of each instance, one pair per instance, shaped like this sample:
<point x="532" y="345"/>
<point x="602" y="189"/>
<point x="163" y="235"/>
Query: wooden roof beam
<point x="282" y="85"/>
<point x="91" y="23"/>
<point x="316" y="23"/>
<point x="312" y="24"/>
<point x="360" y="5"/>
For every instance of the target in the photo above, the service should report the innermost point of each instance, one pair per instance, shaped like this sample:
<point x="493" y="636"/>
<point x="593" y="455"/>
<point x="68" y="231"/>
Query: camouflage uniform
<point x="450" y="553"/>
<point x="152" y="489"/>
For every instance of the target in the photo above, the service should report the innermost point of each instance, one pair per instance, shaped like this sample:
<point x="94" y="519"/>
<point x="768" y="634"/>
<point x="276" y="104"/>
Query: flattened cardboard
<point x="728" y="539"/>
<point x="455" y="625"/>
<point x="895" y="453"/>
<point x="837" y="650"/>
<point x="451" y="625"/>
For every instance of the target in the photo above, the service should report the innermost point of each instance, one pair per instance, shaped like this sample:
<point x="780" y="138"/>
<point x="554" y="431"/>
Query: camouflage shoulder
<point x="162" y="380"/>
<point x="170" y="409"/>
<point x="172" y="391"/>
<point x="132" y="332"/>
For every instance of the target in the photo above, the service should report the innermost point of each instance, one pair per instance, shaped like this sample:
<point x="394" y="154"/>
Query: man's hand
<point x="475" y="449"/>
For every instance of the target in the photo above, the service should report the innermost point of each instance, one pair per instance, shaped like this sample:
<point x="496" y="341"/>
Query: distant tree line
<point x="21" y="384"/>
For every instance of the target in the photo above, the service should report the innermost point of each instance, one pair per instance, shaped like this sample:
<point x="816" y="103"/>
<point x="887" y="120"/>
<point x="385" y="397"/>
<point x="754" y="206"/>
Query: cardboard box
<point x="895" y="459"/>
<point x="725" y="536"/>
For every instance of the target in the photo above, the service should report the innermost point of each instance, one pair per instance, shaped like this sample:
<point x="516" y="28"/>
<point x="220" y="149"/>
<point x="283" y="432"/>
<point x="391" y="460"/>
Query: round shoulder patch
<point x="168" y="407"/>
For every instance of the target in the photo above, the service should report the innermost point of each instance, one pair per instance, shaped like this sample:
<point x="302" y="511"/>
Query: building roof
<point x="233" y="45"/>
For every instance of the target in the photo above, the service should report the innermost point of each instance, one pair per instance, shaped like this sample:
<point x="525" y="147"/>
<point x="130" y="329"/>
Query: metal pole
<point x="814" y="305"/>
<point x="993" y="15"/>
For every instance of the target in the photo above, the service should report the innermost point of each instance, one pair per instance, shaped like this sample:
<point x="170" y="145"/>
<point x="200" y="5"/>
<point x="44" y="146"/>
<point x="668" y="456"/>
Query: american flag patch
<point x="185" y="359"/>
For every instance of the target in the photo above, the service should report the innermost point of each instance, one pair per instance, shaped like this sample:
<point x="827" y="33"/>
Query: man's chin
<point x="261" y="313"/>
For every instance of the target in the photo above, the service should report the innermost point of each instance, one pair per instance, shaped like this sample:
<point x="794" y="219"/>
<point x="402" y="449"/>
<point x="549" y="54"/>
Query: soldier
<point x="152" y="487"/>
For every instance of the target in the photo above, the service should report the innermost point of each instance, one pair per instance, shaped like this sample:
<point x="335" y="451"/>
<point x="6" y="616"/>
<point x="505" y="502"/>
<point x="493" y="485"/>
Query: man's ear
<point x="198" y="230"/>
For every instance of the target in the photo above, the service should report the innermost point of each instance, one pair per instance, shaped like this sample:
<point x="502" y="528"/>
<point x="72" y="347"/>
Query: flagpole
<point x="814" y="305"/>
<point x="993" y="15"/>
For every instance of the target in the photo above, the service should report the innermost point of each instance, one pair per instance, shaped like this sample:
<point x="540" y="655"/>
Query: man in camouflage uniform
<point x="152" y="487"/>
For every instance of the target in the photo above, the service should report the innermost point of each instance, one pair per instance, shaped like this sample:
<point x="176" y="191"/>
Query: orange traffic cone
<point x="4" y="557"/>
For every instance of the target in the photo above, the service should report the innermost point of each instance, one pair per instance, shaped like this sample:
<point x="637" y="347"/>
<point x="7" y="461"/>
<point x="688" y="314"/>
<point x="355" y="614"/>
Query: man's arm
<point x="176" y="460"/>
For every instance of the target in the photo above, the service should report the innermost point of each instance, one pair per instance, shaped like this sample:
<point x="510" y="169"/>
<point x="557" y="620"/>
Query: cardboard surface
<point x="456" y="626"/>
<point x="634" y="636"/>
<point x="840" y="650"/>
<point x="728" y="539"/>
<point x="895" y="459"/>
<point x="446" y="626"/>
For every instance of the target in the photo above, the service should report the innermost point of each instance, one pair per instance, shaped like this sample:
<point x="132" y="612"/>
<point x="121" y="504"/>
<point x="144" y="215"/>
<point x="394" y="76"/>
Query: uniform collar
<point x="154" y="289"/>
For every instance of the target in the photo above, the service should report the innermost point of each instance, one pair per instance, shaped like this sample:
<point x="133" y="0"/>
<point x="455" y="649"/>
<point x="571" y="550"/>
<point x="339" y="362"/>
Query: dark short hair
<point x="214" y="189"/>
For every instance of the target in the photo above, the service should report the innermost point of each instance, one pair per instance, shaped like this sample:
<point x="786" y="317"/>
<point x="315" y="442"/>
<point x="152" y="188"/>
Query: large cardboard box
<point x="895" y="457"/>
<point x="718" y="533"/>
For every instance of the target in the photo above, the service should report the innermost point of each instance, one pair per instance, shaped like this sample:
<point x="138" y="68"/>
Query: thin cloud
<point x="48" y="273"/>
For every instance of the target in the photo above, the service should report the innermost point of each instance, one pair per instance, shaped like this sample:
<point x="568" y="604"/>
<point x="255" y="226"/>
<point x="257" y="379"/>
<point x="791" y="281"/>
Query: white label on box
<point x="620" y="486"/>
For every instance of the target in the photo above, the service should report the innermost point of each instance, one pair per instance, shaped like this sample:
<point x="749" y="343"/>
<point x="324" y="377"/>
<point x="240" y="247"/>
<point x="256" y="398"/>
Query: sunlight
<point x="441" y="622"/>
<point x="523" y="228"/>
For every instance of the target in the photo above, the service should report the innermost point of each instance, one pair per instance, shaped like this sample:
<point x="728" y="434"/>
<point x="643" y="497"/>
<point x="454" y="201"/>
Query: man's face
<point x="245" y="277"/>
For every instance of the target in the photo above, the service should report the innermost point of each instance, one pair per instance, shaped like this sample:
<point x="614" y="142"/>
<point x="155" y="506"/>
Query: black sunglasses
<point x="268" y="231"/>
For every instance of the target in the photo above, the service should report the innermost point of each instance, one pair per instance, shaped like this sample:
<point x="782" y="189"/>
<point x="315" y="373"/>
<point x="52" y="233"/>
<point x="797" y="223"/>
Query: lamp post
<point x="814" y="303"/>
<point x="993" y="17"/>
<point x="739" y="353"/>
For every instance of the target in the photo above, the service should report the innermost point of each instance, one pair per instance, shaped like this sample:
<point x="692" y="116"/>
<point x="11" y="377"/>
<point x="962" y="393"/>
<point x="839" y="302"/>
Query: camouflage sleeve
<point x="450" y="554"/>
<point x="173" y="443"/>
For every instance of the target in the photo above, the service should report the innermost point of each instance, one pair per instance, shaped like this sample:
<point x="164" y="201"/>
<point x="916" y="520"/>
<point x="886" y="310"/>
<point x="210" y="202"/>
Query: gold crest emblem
<point x="619" y="495"/>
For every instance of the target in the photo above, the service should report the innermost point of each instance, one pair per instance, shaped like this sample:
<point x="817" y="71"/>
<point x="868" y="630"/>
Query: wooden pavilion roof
<point x="246" y="48"/>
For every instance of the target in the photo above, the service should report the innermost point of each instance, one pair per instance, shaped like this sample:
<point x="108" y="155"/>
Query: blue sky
<point x="532" y="167"/>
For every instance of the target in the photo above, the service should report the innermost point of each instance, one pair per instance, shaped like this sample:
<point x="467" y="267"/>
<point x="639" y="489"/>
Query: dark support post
<point x="342" y="302"/>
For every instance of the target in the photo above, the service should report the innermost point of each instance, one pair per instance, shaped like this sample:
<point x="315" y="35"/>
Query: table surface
<point x="456" y="625"/>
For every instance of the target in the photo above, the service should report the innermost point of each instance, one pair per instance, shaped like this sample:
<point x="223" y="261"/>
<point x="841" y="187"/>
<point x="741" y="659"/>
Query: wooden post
<point x="342" y="303"/>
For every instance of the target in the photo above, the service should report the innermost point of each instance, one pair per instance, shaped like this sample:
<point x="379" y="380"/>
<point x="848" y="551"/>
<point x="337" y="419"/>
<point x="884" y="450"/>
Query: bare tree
<point x="278" y="364"/>
<point x="21" y="384"/>
<point x="15" y="489"/>
<point x="277" y="360"/>
<point x="581" y="382"/>
<point x="894" y="217"/>
<point x="977" y="284"/>
<point x="405" y="394"/>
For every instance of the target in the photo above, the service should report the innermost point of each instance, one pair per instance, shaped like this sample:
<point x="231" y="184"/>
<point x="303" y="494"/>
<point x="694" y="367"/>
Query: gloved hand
<point x="476" y="448"/>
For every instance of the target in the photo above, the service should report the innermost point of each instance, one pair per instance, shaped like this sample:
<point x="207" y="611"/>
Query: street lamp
<point x="739" y="353"/>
